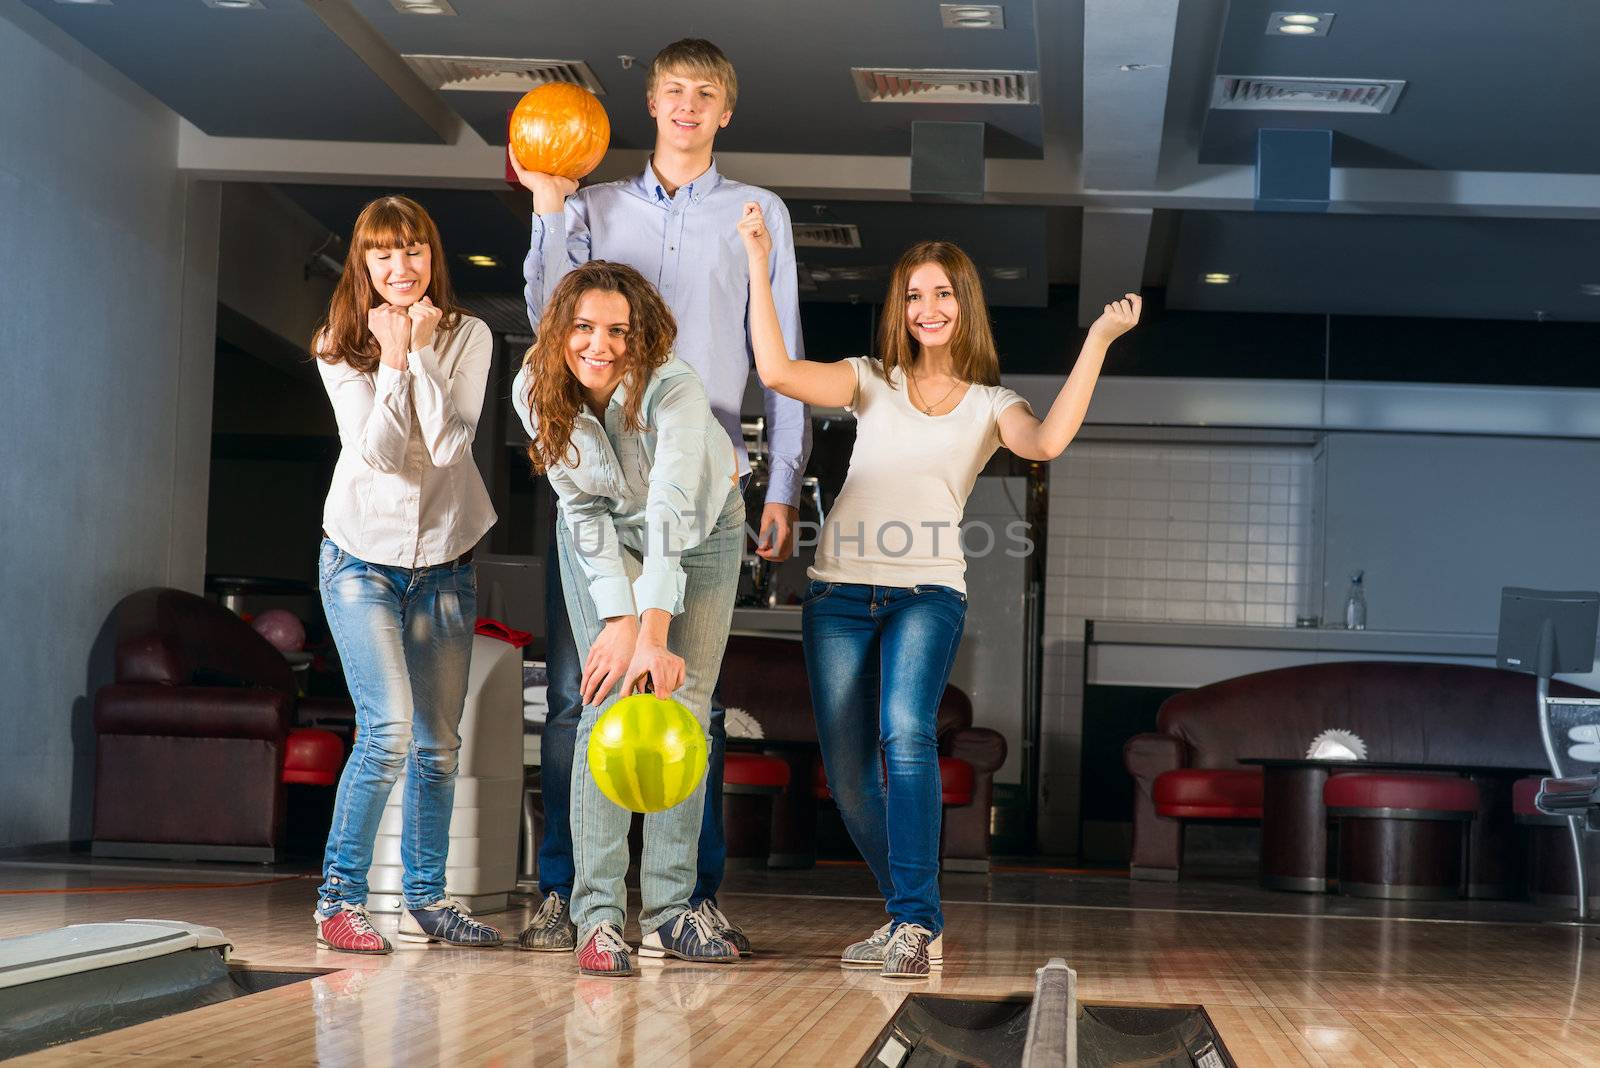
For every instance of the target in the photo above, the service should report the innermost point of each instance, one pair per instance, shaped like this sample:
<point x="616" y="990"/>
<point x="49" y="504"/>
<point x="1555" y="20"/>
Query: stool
<point x="1401" y="836"/>
<point x="1552" y="879"/>
<point x="749" y="783"/>
<point x="312" y="759"/>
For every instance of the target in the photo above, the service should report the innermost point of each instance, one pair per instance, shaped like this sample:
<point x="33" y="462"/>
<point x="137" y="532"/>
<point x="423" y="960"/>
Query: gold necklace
<point x="927" y="409"/>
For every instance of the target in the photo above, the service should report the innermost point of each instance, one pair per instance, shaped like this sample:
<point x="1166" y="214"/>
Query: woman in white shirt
<point x="884" y="613"/>
<point x="405" y="370"/>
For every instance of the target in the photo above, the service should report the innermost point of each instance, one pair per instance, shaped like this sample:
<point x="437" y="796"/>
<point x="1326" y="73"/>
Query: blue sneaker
<point x="449" y="921"/>
<point x="688" y="937"/>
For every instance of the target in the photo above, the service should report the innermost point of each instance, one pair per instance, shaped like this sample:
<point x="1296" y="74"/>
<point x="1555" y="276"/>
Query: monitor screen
<point x="1545" y="632"/>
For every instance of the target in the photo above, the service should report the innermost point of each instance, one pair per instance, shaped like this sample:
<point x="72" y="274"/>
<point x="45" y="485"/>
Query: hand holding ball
<point x="559" y="129"/>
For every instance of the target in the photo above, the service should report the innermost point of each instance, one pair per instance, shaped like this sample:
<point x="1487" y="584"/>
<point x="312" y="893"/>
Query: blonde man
<point x="671" y="223"/>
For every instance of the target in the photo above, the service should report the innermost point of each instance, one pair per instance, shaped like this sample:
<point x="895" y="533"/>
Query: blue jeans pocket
<point x="816" y="591"/>
<point x="934" y="588"/>
<point x="330" y="559"/>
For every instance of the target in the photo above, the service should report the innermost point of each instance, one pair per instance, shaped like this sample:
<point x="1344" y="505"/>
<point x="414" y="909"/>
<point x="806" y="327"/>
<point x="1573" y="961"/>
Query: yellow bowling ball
<point x="647" y="754"/>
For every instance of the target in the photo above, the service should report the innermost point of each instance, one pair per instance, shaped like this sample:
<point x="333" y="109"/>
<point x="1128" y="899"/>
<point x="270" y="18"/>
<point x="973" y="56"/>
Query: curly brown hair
<point x="972" y="348"/>
<point x="388" y="222"/>
<point x="554" y="394"/>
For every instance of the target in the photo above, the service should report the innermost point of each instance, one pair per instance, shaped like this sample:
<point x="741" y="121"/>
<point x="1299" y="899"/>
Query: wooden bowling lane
<point x="1282" y="990"/>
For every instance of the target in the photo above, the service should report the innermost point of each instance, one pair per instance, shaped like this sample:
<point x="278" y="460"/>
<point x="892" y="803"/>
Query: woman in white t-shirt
<point x="884" y="613"/>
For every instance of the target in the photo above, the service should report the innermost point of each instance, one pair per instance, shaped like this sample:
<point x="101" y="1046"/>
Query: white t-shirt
<point x="897" y="521"/>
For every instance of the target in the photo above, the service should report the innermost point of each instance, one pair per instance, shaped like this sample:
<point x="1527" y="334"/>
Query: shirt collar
<point x="695" y="190"/>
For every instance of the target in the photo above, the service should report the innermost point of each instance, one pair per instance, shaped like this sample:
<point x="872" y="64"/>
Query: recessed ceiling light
<point x="1217" y="278"/>
<point x="972" y="16"/>
<point x="480" y="260"/>
<point x="1008" y="274"/>
<point x="423" y="7"/>
<point x="1590" y="289"/>
<point x="85" y="3"/>
<point x="237" y="5"/>
<point x="1299" y="23"/>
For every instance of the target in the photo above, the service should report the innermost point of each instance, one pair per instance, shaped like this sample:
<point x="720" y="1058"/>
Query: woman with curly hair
<point x="406" y="372"/>
<point x="650" y="536"/>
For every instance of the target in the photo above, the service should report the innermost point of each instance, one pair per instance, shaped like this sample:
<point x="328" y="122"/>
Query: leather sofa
<point x="1405" y="711"/>
<point x="192" y="734"/>
<point x="766" y="677"/>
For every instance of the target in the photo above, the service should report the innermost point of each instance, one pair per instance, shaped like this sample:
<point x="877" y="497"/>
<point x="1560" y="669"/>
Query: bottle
<point x="1355" y="605"/>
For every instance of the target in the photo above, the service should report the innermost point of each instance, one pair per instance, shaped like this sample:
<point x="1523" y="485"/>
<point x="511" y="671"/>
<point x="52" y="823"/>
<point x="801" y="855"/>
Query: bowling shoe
<point x="350" y="930"/>
<point x="724" y="928"/>
<point x="688" y="937"/>
<point x="449" y="921"/>
<point x="551" y="930"/>
<point x="605" y="954"/>
<point x="868" y="953"/>
<point x="913" y="952"/>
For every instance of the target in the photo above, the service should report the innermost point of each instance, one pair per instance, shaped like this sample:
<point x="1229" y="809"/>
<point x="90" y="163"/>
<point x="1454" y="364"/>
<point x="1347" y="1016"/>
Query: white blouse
<point x="406" y="492"/>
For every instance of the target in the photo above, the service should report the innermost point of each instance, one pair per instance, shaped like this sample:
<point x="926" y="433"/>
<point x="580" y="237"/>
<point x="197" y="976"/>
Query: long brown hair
<point x="388" y="222"/>
<point x="554" y="394"/>
<point x="972" y="348"/>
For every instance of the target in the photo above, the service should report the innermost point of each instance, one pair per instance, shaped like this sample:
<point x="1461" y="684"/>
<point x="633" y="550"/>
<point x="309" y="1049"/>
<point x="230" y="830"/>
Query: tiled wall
<point x="1174" y="532"/>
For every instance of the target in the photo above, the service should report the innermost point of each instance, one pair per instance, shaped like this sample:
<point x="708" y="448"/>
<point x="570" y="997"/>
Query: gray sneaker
<point x="725" y="928"/>
<point x="552" y="930"/>
<point x="913" y="952"/>
<point x="868" y="953"/>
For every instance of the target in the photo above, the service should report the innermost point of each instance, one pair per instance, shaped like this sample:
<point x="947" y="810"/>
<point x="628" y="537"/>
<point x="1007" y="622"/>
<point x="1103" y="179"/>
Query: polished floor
<point x="1287" y="979"/>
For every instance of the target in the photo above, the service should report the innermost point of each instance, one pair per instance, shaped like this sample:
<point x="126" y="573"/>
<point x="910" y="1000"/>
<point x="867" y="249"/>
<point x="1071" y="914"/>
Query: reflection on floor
<point x="1287" y="979"/>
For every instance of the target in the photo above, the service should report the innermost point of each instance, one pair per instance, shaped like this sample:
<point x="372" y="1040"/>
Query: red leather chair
<point x="191" y="738"/>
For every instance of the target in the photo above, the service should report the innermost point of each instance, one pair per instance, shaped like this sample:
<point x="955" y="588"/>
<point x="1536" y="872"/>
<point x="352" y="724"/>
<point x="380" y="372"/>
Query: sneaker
<point x="350" y="930"/>
<point x="688" y="937"/>
<point x="605" y="954"/>
<point x="724" y="928"/>
<point x="449" y="921"/>
<point x="913" y="952"/>
<point x="552" y="930"/>
<point x="868" y="953"/>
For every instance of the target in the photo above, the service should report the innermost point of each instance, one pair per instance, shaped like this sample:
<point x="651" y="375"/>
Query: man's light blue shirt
<point x="688" y="246"/>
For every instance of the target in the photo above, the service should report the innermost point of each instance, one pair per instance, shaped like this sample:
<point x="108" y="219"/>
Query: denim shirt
<point x="657" y="492"/>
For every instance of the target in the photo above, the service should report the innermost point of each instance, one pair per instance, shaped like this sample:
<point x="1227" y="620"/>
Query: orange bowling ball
<point x="560" y="128"/>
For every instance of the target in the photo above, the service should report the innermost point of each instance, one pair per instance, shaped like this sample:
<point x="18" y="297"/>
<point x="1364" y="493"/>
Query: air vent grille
<point x="826" y="235"/>
<point x="487" y="74"/>
<point x="1370" y="96"/>
<point x="881" y="85"/>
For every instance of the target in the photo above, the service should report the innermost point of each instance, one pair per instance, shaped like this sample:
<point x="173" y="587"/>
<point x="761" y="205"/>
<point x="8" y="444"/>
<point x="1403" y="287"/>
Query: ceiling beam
<point x="1114" y="245"/>
<point x="375" y="51"/>
<point x="1127" y="61"/>
<point x="472" y="164"/>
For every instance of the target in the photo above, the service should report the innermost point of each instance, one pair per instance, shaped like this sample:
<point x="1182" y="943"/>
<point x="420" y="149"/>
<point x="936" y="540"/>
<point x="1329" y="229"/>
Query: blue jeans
<point x="699" y="634"/>
<point x="556" y="747"/>
<point x="405" y="637"/>
<point x="878" y="658"/>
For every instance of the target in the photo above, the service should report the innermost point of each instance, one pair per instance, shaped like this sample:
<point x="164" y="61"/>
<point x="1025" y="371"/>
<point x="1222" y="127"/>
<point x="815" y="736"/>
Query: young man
<point x="672" y="224"/>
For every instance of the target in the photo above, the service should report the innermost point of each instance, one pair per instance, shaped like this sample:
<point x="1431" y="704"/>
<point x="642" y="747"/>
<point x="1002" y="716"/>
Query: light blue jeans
<point x="405" y="637"/>
<point x="699" y="634"/>
<point x="879" y="658"/>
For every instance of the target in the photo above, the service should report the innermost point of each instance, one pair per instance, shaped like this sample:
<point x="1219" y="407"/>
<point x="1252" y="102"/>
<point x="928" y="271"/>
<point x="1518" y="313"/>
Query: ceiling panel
<point x="1490" y="86"/>
<point x="1464" y="268"/>
<point x="793" y="61"/>
<point x="272" y="72"/>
